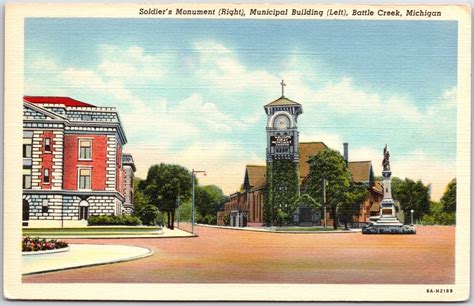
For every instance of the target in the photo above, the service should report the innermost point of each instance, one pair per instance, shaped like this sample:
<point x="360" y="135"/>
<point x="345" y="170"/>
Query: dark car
<point x="384" y="229"/>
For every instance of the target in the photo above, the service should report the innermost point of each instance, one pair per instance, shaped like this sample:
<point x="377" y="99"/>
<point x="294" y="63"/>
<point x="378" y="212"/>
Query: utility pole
<point x="177" y="203"/>
<point x="324" y="199"/>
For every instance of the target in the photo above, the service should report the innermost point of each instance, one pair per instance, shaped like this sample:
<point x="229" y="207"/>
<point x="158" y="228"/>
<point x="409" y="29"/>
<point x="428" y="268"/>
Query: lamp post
<point x="177" y="203"/>
<point x="325" y="182"/>
<point x="412" y="211"/>
<point x="194" y="172"/>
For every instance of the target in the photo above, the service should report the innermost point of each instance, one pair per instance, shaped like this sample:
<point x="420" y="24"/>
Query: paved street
<point x="221" y="255"/>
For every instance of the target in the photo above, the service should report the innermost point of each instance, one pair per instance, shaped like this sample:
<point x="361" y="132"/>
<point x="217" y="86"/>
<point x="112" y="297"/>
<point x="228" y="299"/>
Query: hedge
<point x="114" y="220"/>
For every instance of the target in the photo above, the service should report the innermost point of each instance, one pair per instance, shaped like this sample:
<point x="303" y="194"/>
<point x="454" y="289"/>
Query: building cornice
<point x="75" y="193"/>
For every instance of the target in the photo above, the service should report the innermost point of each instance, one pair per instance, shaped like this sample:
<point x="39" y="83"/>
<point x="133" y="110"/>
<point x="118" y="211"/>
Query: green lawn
<point x="91" y="231"/>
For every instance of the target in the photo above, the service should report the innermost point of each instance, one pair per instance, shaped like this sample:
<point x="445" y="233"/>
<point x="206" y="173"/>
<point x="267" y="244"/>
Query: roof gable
<point x="255" y="176"/>
<point x="282" y="101"/>
<point x="34" y="112"/>
<point x="360" y="171"/>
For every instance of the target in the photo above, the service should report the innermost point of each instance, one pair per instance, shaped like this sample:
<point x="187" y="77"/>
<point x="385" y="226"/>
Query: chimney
<point x="346" y="152"/>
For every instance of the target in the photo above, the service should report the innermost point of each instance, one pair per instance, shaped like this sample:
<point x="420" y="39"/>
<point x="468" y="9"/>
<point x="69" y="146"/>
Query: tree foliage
<point x="411" y="195"/>
<point x="305" y="200"/>
<point x="330" y="165"/>
<point x="438" y="215"/>
<point x="353" y="198"/>
<point x="208" y="199"/>
<point x="279" y="195"/>
<point x="448" y="200"/>
<point x="150" y="215"/>
<point x="165" y="183"/>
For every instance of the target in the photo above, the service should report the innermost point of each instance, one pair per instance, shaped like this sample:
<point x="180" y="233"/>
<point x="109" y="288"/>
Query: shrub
<point x="150" y="215"/>
<point x="281" y="218"/>
<point x="209" y="219"/>
<point x="36" y="244"/>
<point x="114" y="220"/>
<point x="226" y="220"/>
<point x="442" y="218"/>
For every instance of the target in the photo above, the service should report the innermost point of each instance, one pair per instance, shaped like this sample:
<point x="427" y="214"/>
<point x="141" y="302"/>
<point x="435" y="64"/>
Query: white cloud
<point x="223" y="161"/>
<point x="221" y="67"/>
<point x="131" y="64"/>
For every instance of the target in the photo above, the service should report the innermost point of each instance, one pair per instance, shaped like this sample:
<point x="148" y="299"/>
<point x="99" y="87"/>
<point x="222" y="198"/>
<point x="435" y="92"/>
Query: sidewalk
<point x="82" y="255"/>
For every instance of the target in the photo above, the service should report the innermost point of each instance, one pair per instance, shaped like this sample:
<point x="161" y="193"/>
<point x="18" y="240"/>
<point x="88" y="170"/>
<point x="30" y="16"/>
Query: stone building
<point x="73" y="165"/>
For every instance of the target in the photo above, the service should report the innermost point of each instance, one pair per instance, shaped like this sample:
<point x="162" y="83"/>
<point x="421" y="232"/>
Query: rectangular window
<point x="47" y="144"/>
<point x="26" y="181"/>
<point x="44" y="207"/>
<point x="46" y="177"/>
<point x="84" y="178"/>
<point x="85" y="149"/>
<point x="26" y="150"/>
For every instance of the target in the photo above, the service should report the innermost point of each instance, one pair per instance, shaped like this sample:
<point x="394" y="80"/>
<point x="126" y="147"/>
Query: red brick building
<point x="73" y="165"/>
<point x="245" y="208"/>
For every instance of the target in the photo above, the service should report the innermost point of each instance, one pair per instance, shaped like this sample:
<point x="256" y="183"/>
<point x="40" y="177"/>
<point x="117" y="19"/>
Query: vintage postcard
<point x="237" y="152"/>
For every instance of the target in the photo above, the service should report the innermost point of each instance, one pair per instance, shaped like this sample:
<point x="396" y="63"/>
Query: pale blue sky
<point x="192" y="91"/>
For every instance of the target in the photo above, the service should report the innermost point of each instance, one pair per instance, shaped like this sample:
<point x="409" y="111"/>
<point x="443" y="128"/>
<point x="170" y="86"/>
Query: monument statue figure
<point x="386" y="159"/>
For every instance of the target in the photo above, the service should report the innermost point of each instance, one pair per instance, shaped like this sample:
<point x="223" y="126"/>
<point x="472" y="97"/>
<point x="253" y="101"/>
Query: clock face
<point x="281" y="122"/>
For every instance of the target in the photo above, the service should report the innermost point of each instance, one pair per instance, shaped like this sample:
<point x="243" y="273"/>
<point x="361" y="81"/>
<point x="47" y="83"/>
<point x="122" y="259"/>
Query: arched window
<point x="83" y="210"/>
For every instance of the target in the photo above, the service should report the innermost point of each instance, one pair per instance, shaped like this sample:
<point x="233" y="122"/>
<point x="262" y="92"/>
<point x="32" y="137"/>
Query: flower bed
<point x="36" y="244"/>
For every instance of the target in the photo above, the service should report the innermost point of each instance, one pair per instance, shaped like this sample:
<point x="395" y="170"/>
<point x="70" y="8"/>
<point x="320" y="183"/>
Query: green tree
<point x="208" y="199"/>
<point x="150" y="215"/>
<point x="412" y="195"/>
<point x="185" y="210"/>
<point x="305" y="200"/>
<point x="438" y="216"/>
<point x="164" y="184"/>
<point x="448" y="200"/>
<point x="350" y="206"/>
<point x="139" y="198"/>
<point x="329" y="165"/>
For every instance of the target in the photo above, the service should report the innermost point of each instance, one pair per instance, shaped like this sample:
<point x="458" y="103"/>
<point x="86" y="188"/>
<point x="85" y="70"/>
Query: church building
<point x="286" y="173"/>
<point x="73" y="163"/>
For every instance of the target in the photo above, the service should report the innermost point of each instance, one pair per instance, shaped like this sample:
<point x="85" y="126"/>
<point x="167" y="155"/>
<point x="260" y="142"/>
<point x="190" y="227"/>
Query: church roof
<point x="282" y="101"/>
<point x="360" y="171"/>
<point x="378" y="187"/>
<point x="56" y="100"/>
<point x="307" y="150"/>
<point x="256" y="175"/>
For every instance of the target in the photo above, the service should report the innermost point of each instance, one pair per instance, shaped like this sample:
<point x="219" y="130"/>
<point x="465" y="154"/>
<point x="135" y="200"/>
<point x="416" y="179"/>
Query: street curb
<point x="150" y="253"/>
<point x="155" y="236"/>
<point x="32" y="253"/>
<point x="248" y="229"/>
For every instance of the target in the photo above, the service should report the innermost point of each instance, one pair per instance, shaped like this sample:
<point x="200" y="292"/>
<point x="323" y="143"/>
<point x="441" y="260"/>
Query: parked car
<point x="384" y="229"/>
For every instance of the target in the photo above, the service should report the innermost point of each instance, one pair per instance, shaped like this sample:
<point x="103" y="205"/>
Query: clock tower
<point x="282" y="156"/>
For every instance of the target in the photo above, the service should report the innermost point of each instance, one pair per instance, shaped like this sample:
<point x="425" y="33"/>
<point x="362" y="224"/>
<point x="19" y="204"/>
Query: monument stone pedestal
<point x="387" y="208"/>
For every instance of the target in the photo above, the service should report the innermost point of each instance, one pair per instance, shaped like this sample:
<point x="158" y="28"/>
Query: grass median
<point x="92" y="231"/>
